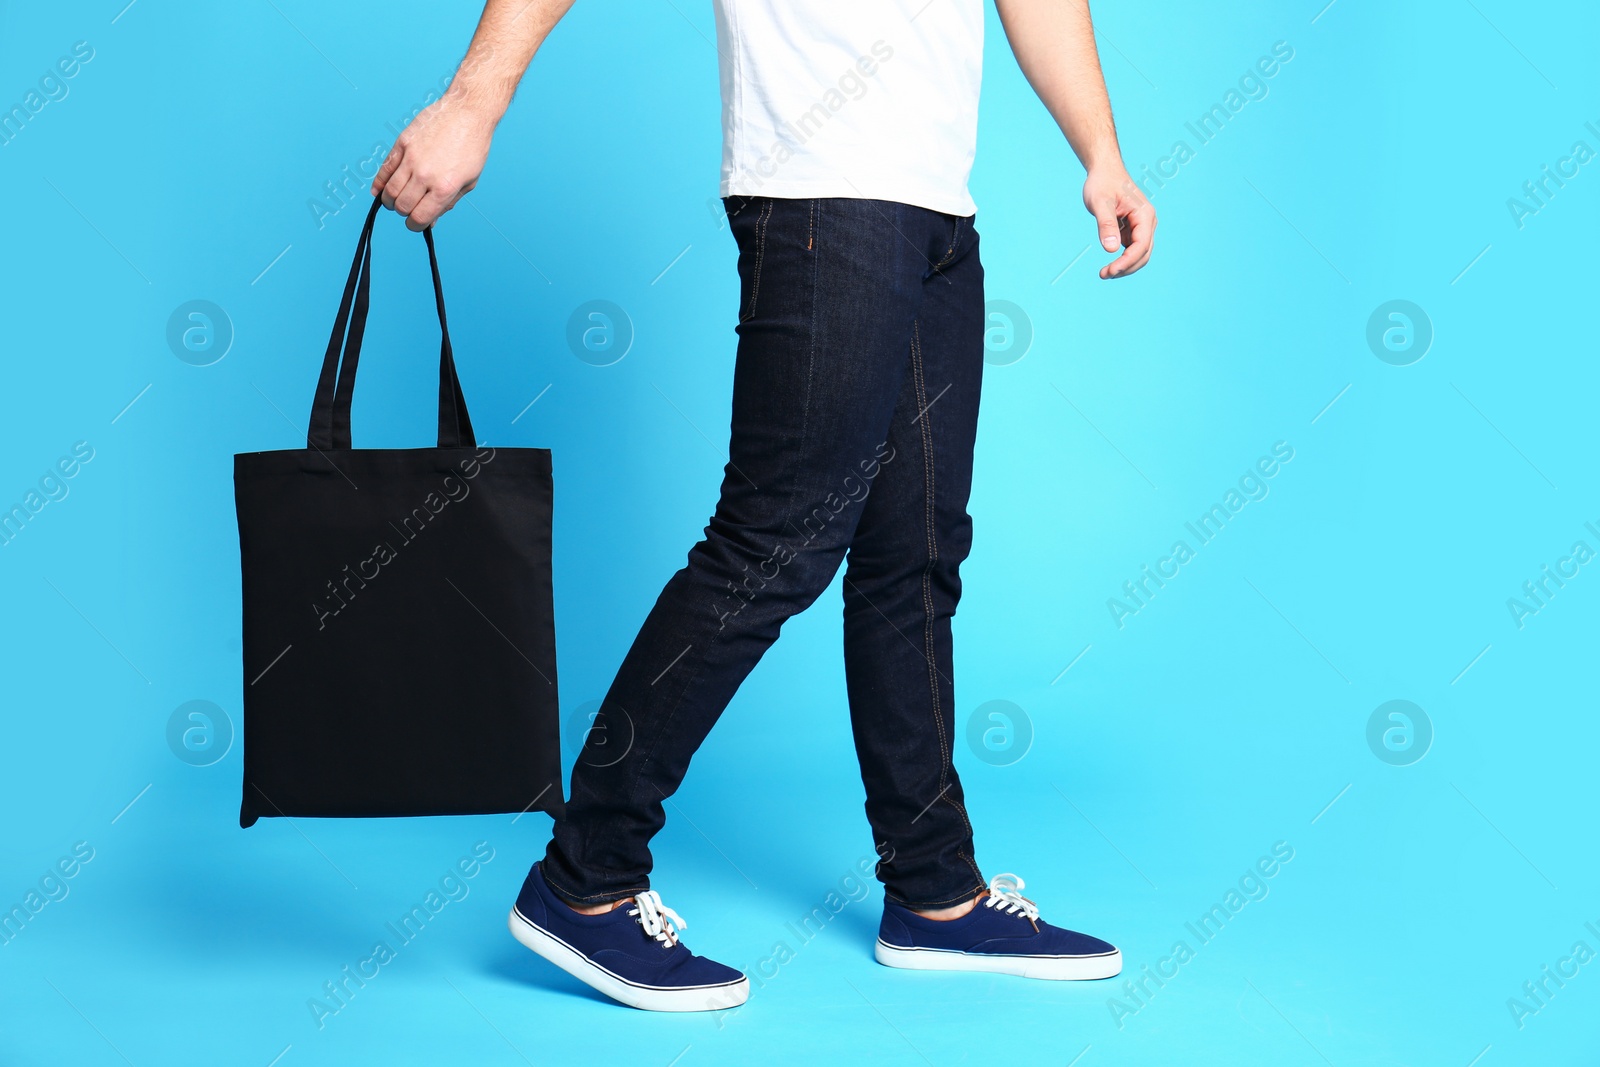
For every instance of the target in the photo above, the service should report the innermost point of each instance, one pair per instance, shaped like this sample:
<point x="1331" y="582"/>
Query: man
<point x="849" y="128"/>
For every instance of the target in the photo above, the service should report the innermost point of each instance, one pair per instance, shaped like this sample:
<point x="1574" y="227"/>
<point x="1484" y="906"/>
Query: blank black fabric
<point x="399" y="625"/>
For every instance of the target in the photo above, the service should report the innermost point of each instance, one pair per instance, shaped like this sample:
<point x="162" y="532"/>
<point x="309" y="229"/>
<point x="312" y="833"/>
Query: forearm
<point x="1053" y="41"/>
<point x="508" y="35"/>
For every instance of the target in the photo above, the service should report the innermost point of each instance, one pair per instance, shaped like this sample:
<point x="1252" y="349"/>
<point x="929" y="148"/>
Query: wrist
<point x="1108" y="161"/>
<point x="480" y="100"/>
<point x="1098" y="152"/>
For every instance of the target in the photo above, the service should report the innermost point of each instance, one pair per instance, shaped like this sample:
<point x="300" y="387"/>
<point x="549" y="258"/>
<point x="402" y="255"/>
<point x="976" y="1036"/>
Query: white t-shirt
<point x="851" y="98"/>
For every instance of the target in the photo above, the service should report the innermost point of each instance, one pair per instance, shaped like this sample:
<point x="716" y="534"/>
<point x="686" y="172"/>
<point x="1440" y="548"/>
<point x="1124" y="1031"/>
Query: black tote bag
<point x="399" y="632"/>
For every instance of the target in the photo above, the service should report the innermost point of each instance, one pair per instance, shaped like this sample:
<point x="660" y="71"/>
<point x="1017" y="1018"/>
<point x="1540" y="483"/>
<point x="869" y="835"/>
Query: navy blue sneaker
<point x="1002" y="934"/>
<point x="631" y="954"/>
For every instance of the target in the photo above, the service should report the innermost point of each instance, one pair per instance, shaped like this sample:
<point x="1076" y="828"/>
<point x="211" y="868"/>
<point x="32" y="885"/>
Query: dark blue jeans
<point x="855" y="403"/>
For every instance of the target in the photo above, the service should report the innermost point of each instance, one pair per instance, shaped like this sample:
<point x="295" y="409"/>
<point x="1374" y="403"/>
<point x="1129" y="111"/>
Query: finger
<point x="449" y="203"/>
<point x="1131" y="260"/>
<point x="429" y="209"/>
<point x="396" y="185"/>
<point x="1122" y="270"/>
<point x="1105" y="215"/>
<point x="415" y="192"/>
<point x="1140" y="237"/>
<point x="391" y="163"/>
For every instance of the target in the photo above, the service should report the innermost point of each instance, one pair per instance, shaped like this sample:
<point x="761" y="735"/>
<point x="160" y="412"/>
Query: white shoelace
<point x="1005" y="894"/>
<point x="658" y="920"/>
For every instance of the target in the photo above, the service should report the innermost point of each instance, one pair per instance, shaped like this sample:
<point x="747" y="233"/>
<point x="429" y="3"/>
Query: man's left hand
<point x="1126" y="219"/>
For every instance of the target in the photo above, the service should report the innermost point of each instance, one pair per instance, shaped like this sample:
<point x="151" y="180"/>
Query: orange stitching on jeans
<point x="930" y="517"/>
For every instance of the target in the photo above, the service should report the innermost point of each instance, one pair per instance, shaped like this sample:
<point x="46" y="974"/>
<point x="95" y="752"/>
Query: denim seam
<point x="930" y="511"/>
<point x="919" y="385"/>
<point x="811" y="370"/>
<point x="761" y="255"/>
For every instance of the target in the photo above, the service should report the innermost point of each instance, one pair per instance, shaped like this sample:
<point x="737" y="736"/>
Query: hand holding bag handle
<point x="330" y="410"/>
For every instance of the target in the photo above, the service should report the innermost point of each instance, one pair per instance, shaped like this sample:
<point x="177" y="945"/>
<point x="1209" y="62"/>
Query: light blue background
<point x="1230" y="713"/>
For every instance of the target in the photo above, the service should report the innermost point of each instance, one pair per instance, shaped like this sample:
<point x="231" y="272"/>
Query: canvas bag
<point x="399" y="625"/>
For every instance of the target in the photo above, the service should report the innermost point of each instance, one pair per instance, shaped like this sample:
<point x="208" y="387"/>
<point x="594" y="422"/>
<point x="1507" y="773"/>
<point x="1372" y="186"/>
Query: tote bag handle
<point x="330" y="410"/>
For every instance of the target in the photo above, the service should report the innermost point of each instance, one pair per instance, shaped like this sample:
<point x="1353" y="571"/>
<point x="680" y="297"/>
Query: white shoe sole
<point x="649" y="998"/>
<point x="1055" y="968"/>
